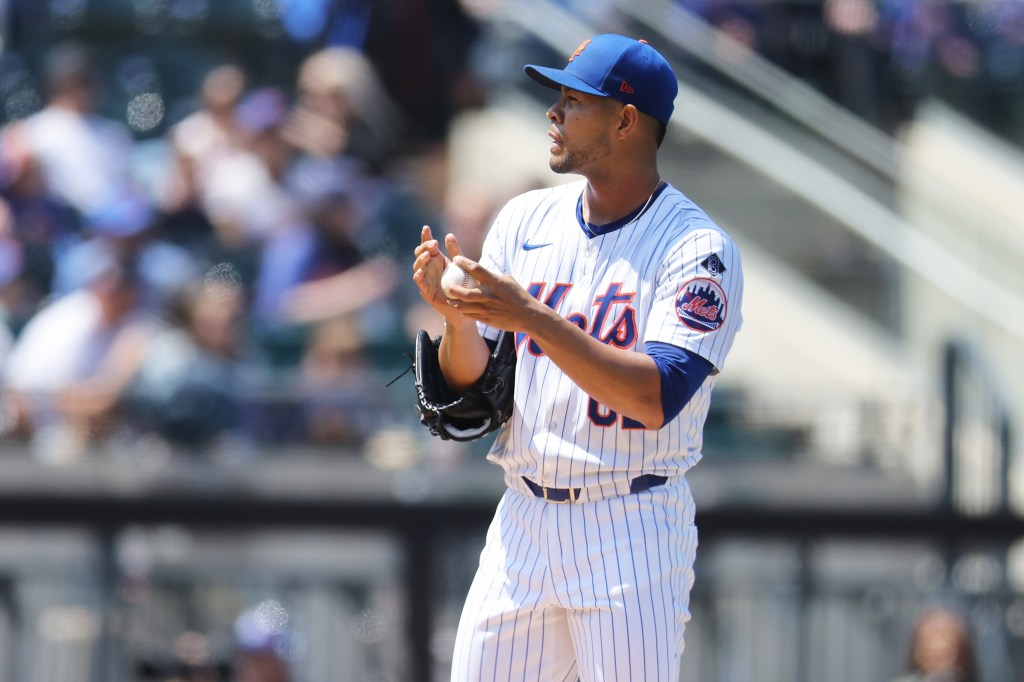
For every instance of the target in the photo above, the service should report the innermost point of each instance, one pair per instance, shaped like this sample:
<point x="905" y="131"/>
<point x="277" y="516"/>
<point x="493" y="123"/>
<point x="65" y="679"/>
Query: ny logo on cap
<point x="579" y="49"/>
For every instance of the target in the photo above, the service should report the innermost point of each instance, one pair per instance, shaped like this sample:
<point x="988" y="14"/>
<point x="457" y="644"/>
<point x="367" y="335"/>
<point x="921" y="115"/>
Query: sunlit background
<point x="210" y="463"/>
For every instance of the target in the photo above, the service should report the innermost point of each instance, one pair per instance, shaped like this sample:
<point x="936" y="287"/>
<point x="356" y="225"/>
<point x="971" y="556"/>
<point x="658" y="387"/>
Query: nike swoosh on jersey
<point x="527" y="246"/>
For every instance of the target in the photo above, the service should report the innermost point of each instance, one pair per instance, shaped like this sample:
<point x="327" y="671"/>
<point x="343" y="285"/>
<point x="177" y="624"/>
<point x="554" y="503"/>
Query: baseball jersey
<point x="669" y="275"/>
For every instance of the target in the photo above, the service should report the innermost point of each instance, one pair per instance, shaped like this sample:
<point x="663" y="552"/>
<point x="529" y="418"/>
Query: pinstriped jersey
<point x="669" y="275"/>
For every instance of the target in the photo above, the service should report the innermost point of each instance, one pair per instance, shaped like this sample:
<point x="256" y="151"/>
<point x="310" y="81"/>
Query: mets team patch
<point x="701" y="304"/>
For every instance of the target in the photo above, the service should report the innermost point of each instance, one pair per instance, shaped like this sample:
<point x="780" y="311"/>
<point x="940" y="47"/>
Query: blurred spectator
<point x="851" y="23"/>
<point x="469" y="211"/>
<point x="191" y="660"/>
<point x="126" y="225"/>
<point x="201" y="139"/>
<point x="429" y="77"/>
<point x="317" y="269"/>
<point x="348" y="136"/>
<point x="42" y="226"/>
<point x="340" y="404"/>
<point x="259" y="665"/>
<point x="13" y="296"/>
<point x="179" y="381"/>
<point x="84" y="158"/>
<point x="243" y="193"/>
<point x="941" y="649"/>
<point x="186" y="385"/>
<point x="65" y="347"/>
<point x="342" y="109"/>
<point x="262" y="645"/>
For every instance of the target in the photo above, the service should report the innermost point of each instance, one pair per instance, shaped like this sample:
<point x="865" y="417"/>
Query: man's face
<point x="580" y="131"/>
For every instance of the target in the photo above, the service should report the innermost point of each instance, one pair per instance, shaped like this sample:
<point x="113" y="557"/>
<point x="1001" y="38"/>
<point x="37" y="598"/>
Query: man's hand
<point x="428" y="265"/>
<point x="427" y="269"/>
<point x="628" y="383"/>
<point x="499" y="301"/>
<point x="463" y="354"/>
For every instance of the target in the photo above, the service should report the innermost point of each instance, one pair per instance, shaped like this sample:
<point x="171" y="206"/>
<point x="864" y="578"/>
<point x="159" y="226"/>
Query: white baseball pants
<point x="596" y="591"/>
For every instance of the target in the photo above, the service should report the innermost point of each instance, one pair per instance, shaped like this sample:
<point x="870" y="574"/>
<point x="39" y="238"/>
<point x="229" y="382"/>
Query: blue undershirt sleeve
<point x="682" y="373"/>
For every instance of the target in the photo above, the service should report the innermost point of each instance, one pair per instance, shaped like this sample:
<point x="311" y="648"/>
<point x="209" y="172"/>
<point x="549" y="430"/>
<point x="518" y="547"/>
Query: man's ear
<point x="629" y="119"/>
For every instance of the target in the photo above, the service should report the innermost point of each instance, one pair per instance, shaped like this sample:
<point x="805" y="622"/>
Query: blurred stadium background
<point x="206" y="215"/>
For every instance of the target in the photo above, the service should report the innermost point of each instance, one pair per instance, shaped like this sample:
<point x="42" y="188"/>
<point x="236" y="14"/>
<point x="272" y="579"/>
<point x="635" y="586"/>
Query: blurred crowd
<point x="879" y="58"/>
<point x="238" y="278"/>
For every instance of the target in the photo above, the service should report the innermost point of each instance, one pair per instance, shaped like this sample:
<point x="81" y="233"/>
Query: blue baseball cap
<point x="615" y="66"/>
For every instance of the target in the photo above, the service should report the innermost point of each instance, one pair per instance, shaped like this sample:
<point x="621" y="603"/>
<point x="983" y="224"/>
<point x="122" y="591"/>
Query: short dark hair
<point x="659" y="133"/>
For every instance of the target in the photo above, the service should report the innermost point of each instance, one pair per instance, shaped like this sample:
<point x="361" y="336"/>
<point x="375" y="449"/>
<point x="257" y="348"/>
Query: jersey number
<point x="602" y="416"/>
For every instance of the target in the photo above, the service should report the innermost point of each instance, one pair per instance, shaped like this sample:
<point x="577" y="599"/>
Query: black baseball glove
<point x="478" y="411"/>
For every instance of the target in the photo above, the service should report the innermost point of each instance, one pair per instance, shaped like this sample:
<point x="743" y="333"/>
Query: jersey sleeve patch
<point x="714" y="265"/>
<point x="701" y="304"/>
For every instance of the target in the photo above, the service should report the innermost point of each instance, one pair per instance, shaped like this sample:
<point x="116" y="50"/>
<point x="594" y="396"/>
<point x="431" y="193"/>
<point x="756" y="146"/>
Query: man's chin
<point x="560" y="165"/>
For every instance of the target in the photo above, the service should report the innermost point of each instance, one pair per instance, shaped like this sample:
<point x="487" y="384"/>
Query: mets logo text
<point x="701" y="304"/>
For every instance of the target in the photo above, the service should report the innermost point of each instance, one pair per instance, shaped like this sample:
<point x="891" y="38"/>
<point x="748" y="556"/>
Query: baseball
<point x="455" y="276"/>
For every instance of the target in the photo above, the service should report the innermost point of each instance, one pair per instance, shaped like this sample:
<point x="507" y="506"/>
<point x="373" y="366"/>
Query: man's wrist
<point x="459" y="325"/>
<point x="540" y="319"/>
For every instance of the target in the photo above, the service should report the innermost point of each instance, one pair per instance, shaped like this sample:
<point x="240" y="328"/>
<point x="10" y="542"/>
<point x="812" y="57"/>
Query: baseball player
<point x="624" y="297"/>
